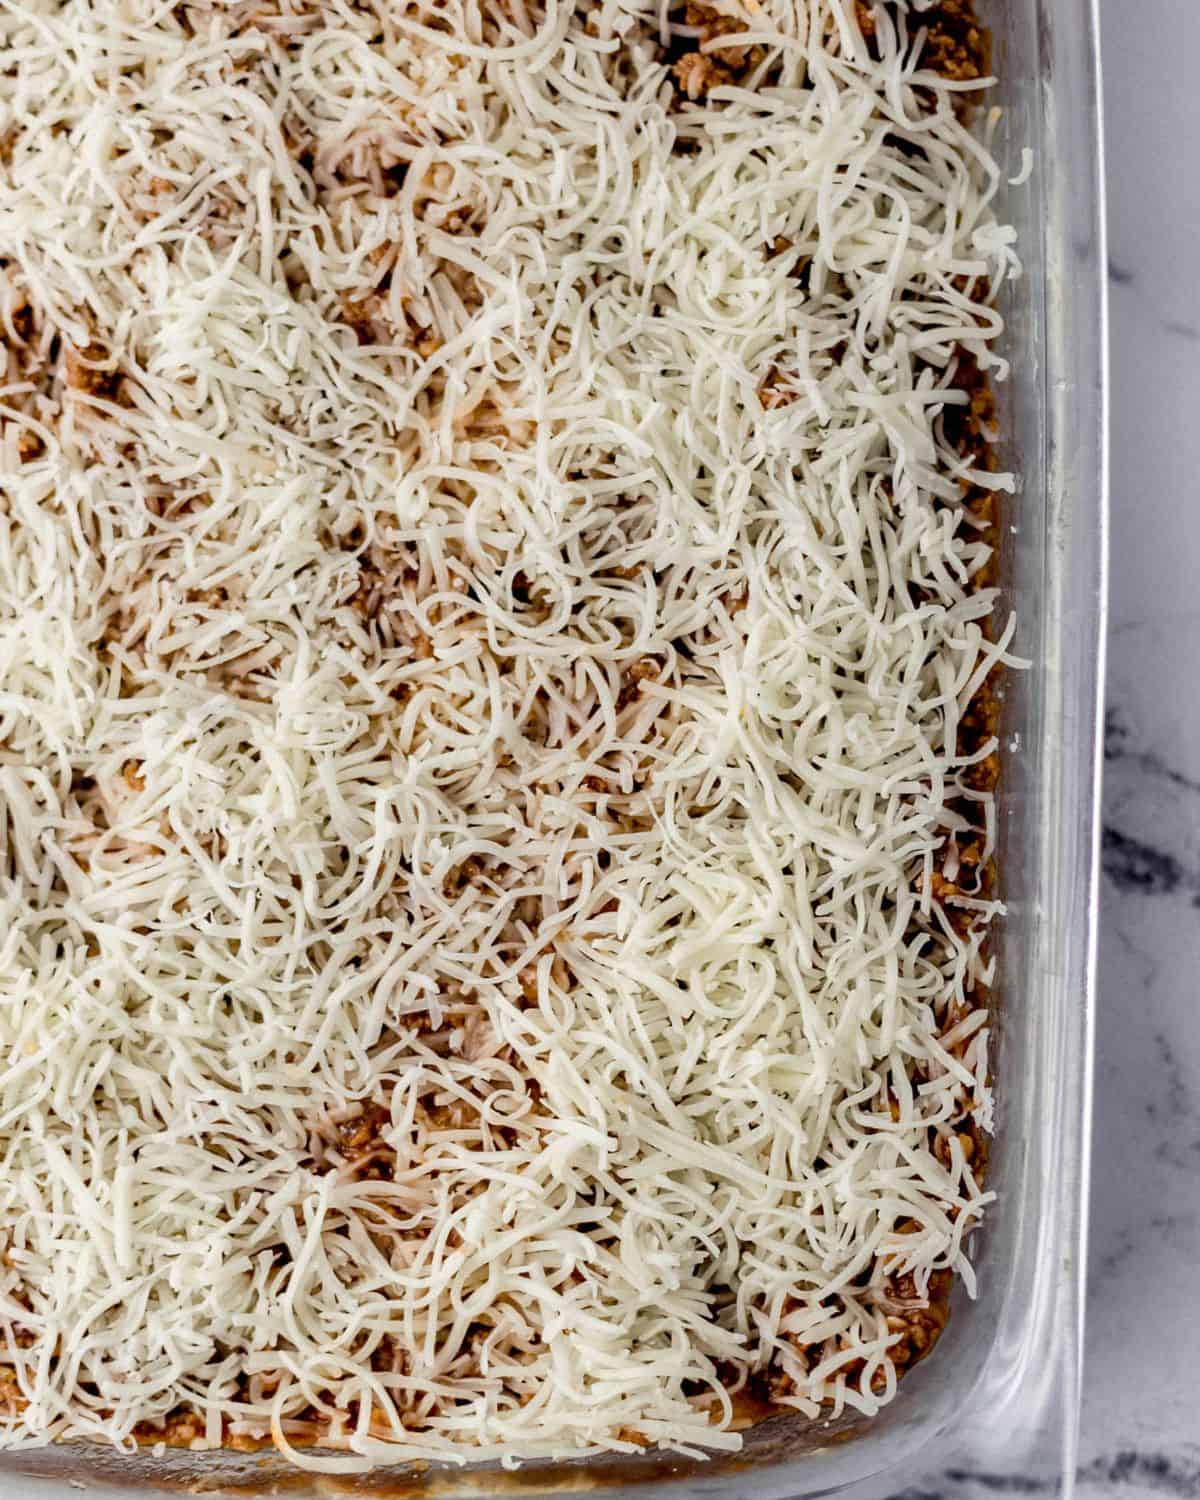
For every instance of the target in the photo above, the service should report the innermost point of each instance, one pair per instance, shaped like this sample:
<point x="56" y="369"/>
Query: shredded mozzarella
<point x="486" y="611"/>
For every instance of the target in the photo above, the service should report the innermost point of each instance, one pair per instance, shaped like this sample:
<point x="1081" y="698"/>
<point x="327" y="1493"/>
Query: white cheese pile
<point x="472" y="769"/>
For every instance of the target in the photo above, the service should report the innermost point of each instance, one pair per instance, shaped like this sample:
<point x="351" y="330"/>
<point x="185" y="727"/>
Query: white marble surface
<point x="1142" y="1394"/>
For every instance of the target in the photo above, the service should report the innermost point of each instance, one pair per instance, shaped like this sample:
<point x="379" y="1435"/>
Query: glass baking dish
<point x="999" y="1398"/>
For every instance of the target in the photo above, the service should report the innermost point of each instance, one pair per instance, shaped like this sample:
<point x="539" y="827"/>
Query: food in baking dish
<point x="498" y="716"/>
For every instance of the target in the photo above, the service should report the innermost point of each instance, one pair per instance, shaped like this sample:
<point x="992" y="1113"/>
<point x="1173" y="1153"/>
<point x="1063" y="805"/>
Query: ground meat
<point x="24" y="323"/>
<point x="946" y="893"/>
<point x="984" y="775"/>
<point x="969" y="429"/>
<point x="980" y="721"/>
<point x="712" y="24"/>
<point x="391" y="1357"/>
<point x="362" y="314"/>
<point x="364" y="1131"/>
<point x="772" y="394"/>
<point x="916" y="1319"/>
<point x="921" y="1324"/>
<point x="968" y="426"/>
<point x="699" y="71"/>
<point x="560" y="975"/>
<point x="11" y="1398"/>
<point x="29" y="357"/>
<point x="472" y="871"/>
<point x="92" y="372"/>
<point x="386" y="576"/>
<point x="371" y="320"/>
<point x="943" y="1151"/>
<point x="132" y="777"/>
<point x="940" y="888"/>
<point x="358" y="1146"/>
<point x="697" y="74"/>
<point x="644" y="670"/>
<point x="957" y="46"/>
<point x="214" y="598"/>
<point x="178" y="1429"/>
<point x="29" y="446"/>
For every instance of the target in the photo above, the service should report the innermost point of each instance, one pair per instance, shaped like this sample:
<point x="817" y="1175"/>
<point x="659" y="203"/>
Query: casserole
<point x="1004" y="1387"/>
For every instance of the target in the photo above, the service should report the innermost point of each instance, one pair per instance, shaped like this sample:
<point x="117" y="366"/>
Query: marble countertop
<point x="1141" y="1406"/>
<point x="1141" y="1420"/>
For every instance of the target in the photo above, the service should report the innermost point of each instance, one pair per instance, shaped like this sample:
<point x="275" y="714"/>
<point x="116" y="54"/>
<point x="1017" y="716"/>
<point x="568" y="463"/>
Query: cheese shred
<point x="493" y="885"/>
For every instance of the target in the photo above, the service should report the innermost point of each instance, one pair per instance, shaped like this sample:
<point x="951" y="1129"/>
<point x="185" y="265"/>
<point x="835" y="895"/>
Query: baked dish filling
<point x="499" y="651"/>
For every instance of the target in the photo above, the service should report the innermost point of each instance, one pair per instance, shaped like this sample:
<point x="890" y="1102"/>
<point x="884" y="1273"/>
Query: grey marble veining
<point x="1141" y="1425"/>
<point x="1130" y="1473"/>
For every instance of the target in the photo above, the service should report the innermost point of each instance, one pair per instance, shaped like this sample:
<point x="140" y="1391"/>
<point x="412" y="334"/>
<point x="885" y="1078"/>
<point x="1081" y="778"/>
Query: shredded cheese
<point x="486" y="610"/>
